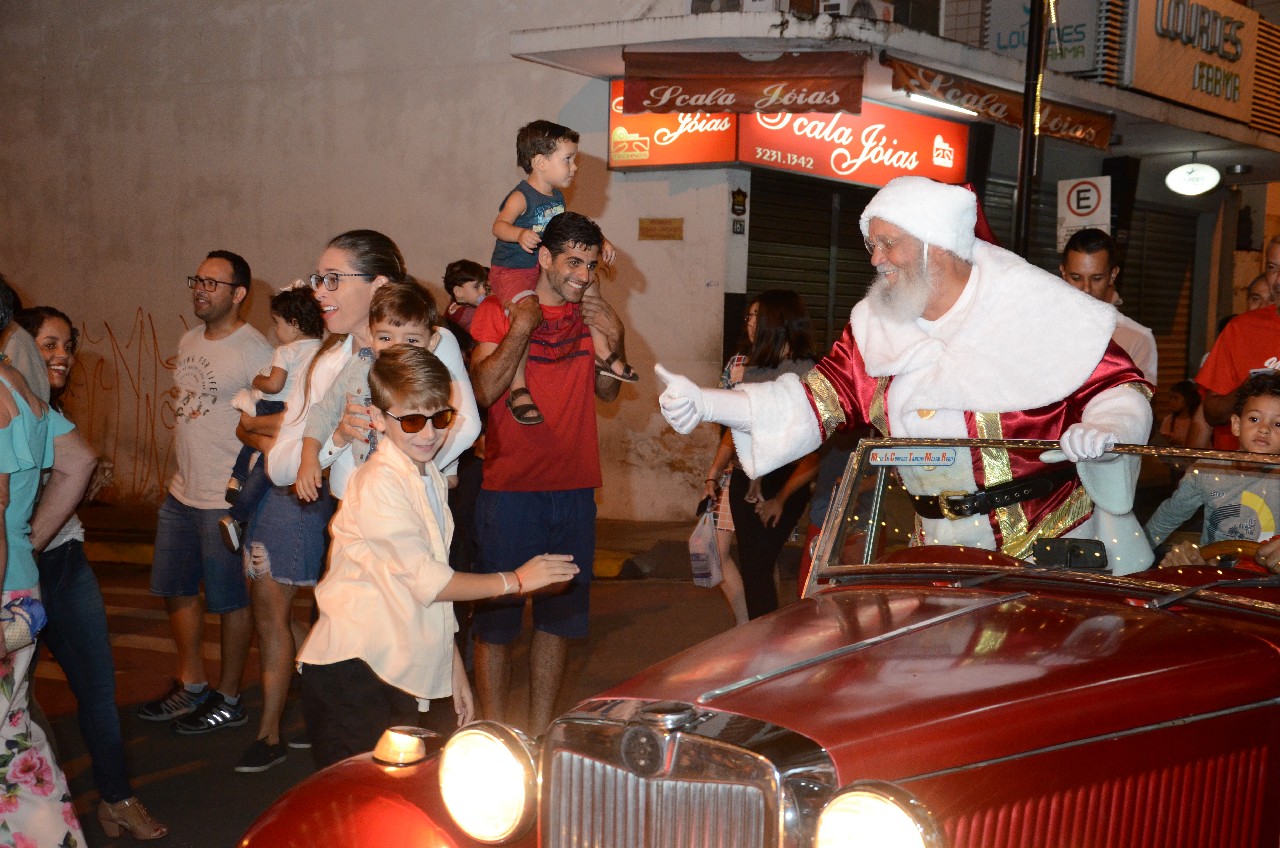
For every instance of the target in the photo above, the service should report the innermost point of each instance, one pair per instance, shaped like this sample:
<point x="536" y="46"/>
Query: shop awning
<point x="1069" y="123"/>
<point x="738" y="82"/>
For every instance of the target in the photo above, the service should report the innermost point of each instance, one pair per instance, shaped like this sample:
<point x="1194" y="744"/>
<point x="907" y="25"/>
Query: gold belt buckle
<point x="946" y="510"/>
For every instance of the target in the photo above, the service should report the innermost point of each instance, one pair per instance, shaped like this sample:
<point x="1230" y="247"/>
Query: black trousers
<point x="347" y="707"/>
<point x="759" y="546"/>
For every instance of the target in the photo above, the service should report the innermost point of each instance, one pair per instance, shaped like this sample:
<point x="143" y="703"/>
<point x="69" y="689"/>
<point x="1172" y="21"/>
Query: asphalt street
<point x="188" y="782"/>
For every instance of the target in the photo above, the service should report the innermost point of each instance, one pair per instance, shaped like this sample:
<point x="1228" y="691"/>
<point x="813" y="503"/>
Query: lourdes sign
<point x="1202" y="54"/>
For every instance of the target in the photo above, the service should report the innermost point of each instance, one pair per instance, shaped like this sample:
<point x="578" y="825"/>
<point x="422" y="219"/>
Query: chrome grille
<point x="592" y="804"/>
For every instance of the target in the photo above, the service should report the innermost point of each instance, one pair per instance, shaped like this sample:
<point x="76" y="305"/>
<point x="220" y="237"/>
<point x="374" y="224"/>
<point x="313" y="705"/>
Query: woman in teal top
<point x="34" y="801"/>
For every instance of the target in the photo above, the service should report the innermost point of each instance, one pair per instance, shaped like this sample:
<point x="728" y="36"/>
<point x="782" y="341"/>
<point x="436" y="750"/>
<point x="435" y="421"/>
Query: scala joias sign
<point x="732" y="82"/>
<point x="1057" y="120"/>
<point x="871" y="148"/>
<point x="661" y="140"/>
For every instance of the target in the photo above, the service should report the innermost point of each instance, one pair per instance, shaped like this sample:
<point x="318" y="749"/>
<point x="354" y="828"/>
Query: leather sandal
<point x="605" y="368"/>
<point x="525" y="412"/>
<point x="129" y="815"/>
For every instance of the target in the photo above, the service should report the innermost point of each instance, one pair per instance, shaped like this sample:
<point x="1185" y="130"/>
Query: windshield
<point x="921" y="501"/>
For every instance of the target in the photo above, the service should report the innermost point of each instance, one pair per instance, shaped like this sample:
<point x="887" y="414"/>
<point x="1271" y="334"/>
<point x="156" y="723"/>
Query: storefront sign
<point x="1199" y="53"/>
<point x="1072" y="32"/>
<point x="731" y="82"/>
<point x="1003" y="107"/>
<point x="871" y="148"/>
<point x="655" y="141"/>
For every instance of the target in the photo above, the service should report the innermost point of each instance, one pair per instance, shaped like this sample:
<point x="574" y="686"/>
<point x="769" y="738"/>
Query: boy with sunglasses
<point x="383" y="645"/>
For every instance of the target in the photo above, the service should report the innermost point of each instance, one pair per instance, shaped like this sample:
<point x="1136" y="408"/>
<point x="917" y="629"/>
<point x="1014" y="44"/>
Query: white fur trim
<point x="783" y="426"/>
<point x="1019" y="338"/>
<point x="934" y="212"/>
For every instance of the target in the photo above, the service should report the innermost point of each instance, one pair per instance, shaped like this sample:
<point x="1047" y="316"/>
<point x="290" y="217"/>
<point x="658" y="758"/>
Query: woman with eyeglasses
<point x="76" y="633"/>
<point x="765" y="511"/>
<point x="353" y="266"/>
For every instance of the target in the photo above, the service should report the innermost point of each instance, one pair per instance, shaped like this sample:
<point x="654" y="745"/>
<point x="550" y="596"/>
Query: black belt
<point x="957" y="505"/>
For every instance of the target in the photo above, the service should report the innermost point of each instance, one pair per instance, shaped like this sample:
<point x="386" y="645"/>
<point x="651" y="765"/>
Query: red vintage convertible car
<point x="916" y="696"/>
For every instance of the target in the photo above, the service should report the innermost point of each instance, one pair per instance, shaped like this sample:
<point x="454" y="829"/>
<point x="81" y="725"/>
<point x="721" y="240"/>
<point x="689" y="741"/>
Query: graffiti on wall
<point x="121" y="395"/>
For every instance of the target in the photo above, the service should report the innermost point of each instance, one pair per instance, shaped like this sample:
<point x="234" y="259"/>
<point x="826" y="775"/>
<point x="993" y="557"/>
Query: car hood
<point x="907" y="680"/>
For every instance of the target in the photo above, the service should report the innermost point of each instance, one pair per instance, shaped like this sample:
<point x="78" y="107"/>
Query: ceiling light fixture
<point x="940" y="104"/>
<point x="1193" y="178"/>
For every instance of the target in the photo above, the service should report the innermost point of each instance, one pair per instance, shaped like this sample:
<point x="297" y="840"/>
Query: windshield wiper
<point x="1272" y="582"/>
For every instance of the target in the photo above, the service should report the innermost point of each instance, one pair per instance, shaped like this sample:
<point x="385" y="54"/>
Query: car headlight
<point x="871" y="813"/>
<point x="488" y="780"/>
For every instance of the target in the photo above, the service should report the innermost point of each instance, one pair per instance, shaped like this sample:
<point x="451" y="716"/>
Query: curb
<point x="609" y="563"/>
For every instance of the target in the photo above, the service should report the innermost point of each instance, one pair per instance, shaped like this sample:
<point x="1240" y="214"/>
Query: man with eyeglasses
<point x="217" y="358"/>
<point x="958" y="338"/>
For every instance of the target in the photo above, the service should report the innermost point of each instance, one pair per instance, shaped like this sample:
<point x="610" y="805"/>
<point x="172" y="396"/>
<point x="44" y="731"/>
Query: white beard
<point x="905" y="300"/>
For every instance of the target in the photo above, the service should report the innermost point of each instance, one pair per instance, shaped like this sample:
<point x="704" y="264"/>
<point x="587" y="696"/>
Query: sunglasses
<point x="415" y="422"/>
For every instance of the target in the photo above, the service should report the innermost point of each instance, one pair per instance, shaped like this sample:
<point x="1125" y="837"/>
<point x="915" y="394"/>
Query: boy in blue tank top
<point x="547" y="152"/>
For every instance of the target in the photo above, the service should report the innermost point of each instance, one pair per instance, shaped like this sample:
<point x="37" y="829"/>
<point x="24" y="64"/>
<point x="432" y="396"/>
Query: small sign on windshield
<point x="913" y="456"/>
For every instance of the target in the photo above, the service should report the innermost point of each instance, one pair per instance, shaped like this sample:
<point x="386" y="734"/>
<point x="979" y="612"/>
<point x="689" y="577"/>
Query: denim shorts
<point x="189" y="551"/>
<point x="295" y="535"/>
<point x="513" y="527"/>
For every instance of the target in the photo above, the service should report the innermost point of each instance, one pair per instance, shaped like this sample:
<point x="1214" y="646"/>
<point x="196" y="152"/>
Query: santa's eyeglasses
<point x="884" y="244"/>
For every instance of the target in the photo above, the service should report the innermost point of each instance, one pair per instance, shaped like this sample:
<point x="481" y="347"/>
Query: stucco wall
<point x="140" y="135"/>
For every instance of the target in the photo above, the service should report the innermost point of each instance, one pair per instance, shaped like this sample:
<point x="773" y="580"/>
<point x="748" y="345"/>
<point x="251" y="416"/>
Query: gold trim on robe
<point x="1016" y="536"/>
<point x="830" y="412"/>
<point x="877" y="415"/>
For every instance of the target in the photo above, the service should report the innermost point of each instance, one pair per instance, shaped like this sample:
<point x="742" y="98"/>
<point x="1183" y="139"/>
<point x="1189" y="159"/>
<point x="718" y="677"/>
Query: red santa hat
<point x="934" y="212"/>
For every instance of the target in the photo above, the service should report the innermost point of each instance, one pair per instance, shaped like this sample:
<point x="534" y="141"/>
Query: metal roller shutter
<point x="805" y="237"/>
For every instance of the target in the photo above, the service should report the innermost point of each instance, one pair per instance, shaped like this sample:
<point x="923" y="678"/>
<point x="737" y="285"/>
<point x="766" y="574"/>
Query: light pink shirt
<point x="388" y="561"/>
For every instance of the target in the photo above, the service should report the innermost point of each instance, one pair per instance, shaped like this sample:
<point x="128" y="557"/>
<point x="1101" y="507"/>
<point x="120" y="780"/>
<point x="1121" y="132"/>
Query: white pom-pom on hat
<point x="934" y="212"/>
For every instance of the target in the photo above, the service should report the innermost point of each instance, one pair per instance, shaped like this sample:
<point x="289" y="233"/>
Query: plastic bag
<point x="704" y="552"/>
<point x="21" y="619"/>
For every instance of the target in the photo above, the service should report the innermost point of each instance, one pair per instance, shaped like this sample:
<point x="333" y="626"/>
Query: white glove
<point x="1084" y="442"/>
<point x="685" y="406"/>
<point x="246" y="400"/>
<point x="682" y="403"/>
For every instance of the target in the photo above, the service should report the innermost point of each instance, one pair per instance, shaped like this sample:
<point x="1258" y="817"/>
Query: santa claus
<point x="958" y="338"/>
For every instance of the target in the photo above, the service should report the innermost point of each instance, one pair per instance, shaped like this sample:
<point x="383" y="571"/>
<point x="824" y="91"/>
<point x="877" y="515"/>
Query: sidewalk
<point x="624" y="549"/>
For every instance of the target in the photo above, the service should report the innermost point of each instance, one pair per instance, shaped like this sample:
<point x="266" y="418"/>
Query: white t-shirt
<point x="293" y="359"/>
<point x="207" y="375"/>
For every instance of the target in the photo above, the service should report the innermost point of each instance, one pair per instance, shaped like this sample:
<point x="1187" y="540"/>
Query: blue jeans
<point x="76" y="635"/>
<point x="253" y="482"/>
<point x="253" y="488"/>
<point x="189" y="552"/>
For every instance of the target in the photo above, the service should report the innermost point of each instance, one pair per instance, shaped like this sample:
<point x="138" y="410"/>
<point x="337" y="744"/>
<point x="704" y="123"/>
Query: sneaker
<point x="214" y="713"/>
<point x="233" y="490"/>
<point x="261" y="756"/>
<point x="174" y="704"/>
<point x="300" y="743"/>
<point x="232" y="533"/>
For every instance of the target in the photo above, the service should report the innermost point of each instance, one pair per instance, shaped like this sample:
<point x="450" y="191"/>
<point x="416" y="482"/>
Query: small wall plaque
<point x="661" y="229"/>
